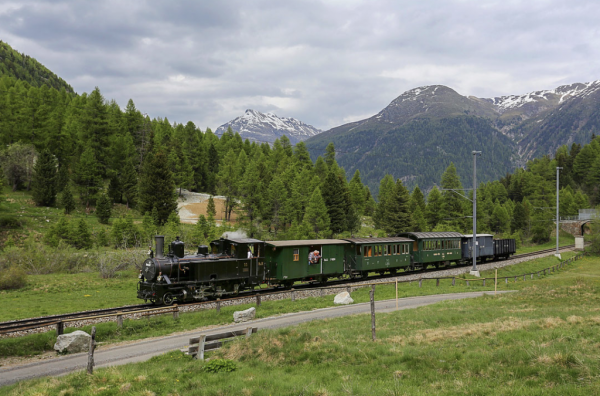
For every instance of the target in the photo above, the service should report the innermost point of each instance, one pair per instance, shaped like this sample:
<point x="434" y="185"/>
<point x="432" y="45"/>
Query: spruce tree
<point x="386" y="188"/>
<point x="397" y="210"/>
<point x="357" y="193"/>
<point x="44" y="180"/>
<point x="83" y="240"/>
<point x="88" y="177"/>
<point x="433" y="210"/>
<point x="211" y="210"/>
<point x="67" y="200"/>
<point x="104" y="208"/>
<point x="62" y="178"/>
<point x="452" y="204"/>
<point x="330" y="154"/>
<point x="316" y="221"/>
<point x="129" y="183"/>
<point x="333" y="194"/>
<point x="519" y="220"/>
<point x="157" y="190"/>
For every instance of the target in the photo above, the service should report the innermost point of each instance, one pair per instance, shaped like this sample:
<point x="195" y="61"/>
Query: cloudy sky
<point x="323" y="62"/>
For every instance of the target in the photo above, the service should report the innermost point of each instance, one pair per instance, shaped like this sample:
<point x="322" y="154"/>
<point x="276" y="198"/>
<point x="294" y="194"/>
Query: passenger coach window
<point x="358" y="250"/>
<point x="389" y="252"/>
<point x="296" y="254"/>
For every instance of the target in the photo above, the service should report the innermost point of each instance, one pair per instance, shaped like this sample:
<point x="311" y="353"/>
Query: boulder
<point x="343" y="298"/>
<point x="77" y="341"/>
<point x="244" y="316"/>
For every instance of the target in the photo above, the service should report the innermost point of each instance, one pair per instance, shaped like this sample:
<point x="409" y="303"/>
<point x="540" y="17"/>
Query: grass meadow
<point x="542" y="340"/>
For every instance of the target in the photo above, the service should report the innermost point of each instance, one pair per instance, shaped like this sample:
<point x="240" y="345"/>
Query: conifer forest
<point x="86" y="151"/>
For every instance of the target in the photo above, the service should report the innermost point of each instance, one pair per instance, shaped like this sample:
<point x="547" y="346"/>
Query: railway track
<point x="32" y="323"/>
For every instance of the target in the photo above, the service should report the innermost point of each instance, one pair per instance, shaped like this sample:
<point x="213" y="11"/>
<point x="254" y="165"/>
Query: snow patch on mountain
<point x="552" y="96"/>
<point x="268" y="127"/>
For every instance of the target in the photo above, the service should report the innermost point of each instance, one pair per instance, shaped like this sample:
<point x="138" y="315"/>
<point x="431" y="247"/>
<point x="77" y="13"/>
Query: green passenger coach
<point x="378" y="255"/>
<point x="435" y="248"/>
<point x="288" y="261"/>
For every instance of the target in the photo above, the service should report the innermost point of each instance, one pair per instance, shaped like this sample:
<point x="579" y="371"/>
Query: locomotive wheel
<point x="168" y="299"/>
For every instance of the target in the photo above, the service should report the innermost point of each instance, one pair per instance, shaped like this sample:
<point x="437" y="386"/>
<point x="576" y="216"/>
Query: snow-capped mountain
<point x="268" y="127"/>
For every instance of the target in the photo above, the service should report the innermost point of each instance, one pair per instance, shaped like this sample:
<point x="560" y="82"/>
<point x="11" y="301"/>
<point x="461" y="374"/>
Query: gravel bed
<point x="286" y="295"/>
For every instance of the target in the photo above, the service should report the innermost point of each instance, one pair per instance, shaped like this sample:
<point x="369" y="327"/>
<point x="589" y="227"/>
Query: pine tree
<point x="83" y="240"/>
<point x="129" y="183"/>
<point x="228" y="181"/>
<point x="386" y="188"/>
<point x="103" y="209"/>
<point x="433" y="210"/>
<point x="397" y="210"/>
<point x="157" y="190"/>
<point x="452" y="204"/>
<point x="67" y="200"/>
<point x="333" y="194"/>
<point x="44" y="180"/>
<point x="316" y="221"/>
<point x="211" y="210"/>
<point x="519" y="219"/>
<point x="357" y="193"/>
<point x="88" y="177"/>
<point x="417" y="199"/>
<point x="330" y="154"/>
<point x="500" y="220"/>
<point x="62" y="178"/>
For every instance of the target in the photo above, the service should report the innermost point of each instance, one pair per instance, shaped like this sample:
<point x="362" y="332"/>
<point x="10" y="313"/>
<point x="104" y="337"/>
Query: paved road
<point x="144" y="350"/>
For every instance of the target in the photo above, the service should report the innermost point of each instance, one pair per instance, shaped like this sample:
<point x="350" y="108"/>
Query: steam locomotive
<point x="231" y="265"/>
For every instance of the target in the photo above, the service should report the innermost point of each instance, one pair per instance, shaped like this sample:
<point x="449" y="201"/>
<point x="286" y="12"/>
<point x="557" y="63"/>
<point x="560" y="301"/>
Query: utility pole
<point x="474" y="249"/>
<point x="558" y="168"/>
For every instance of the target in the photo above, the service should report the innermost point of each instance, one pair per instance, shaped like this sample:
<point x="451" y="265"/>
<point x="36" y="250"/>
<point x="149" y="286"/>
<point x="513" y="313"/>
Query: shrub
<point x="10" y="222"/>
<point x="12" y="278"/>
<point x="37" y="259"/>
<point x="109" y="264"/>
<point x="220" y="366"/>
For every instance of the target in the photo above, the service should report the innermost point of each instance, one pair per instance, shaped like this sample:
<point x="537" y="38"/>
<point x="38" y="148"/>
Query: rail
<point x="60" y="321"/>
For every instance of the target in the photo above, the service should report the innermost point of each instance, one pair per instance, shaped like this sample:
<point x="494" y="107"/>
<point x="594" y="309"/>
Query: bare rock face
<point x="77" y="341"/>
<point x="244" y="316"/>
<point x="343" y="299"/>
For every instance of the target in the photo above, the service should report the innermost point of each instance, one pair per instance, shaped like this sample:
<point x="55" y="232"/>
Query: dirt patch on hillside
<point x="191" y="205"/>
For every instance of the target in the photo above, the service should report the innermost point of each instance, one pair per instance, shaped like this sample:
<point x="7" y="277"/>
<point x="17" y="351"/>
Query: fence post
<point x="532" y="275"/>
<point x="218" y="305"/>
<point x="372" y="295"/>
<point x="248" y="332"/>
<point x="467" y="282"/>
<point x="437" y="282"/>
<point x="293" y="295"/>
<point x="506" y="280"/>
<point x="483" y="281"/>
<point x="420" y="282"/>
<point x="257" y="299"/>
<point x="495" y="281"/>
<point x="396" y="293"/>
<point x="60" y="328"/>
<point x="200" y="354"/>
<point x="120" y="319"/>
<point x="90" y="364"/>
<point x="515" y="279"/>
<point x="453" y="281"/>
<point x="175" y="312"/>
<point x="523" y="277"/>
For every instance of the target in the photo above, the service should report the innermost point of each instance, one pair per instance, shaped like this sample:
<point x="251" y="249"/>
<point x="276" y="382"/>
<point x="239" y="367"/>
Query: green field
<point x="543" y="340"/>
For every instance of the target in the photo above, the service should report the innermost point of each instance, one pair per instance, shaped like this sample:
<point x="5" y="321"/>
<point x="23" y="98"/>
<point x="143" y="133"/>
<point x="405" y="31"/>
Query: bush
<point x="10" y="222"/>
<point x="37" y="259"/>
<point x="12" y="278"/>
<point x="109" y="264"/>
<point x="220" y="366"/>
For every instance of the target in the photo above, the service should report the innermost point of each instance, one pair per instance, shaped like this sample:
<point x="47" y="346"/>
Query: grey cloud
<point x="323" y="62"/>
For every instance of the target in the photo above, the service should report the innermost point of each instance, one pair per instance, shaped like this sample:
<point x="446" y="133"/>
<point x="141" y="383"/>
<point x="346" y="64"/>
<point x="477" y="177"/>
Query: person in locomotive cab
<point x="250" y="253"/>
<point x="150" y="252"/>
<point x="313" y="257"/>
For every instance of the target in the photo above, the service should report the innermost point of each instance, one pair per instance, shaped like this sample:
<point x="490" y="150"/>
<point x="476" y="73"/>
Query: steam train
<point x="231" y="265"/>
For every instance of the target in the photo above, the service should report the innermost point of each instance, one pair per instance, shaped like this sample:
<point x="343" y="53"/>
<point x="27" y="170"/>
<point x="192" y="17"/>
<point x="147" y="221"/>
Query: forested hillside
<point x="420" y="150"/>
<point x="84" y="150"/>
<point x="27" y="69"/>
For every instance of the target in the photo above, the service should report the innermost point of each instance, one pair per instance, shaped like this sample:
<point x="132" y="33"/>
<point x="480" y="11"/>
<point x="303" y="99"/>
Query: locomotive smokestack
<point x="160" y="246"/>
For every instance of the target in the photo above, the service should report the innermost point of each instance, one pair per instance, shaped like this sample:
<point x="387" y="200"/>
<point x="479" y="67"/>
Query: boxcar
<point x="434" y="248"/>
<point x="287" y="261"/>
<point x="503" y="248"/>
<point x="379" y="255"/>
<point x="485" y="247"/>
